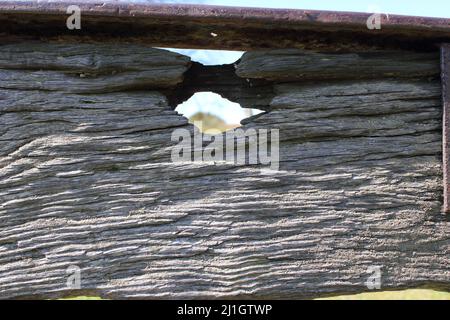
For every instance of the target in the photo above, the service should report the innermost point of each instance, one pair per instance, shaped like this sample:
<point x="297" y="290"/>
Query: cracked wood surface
<point x="114" y="67"/>
<point x="86" y="179"/>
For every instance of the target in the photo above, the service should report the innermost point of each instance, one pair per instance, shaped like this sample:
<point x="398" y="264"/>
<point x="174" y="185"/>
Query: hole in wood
<point x="213" y="114"/>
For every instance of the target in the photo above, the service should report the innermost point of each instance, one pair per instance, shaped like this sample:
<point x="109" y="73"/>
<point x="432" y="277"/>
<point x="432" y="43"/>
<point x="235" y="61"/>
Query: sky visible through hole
<point x="208" y="102"/>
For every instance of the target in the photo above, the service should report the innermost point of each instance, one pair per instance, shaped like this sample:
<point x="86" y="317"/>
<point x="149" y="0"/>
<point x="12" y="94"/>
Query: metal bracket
<point x="445" y="75"/>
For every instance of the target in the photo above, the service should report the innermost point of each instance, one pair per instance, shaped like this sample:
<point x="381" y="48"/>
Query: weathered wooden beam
<point x="87" y="180"/>
<point x="445" y="78"/>
<point x="87" y="69"/>
<point x="238" y="28"/>
<point x="291" y="65"/>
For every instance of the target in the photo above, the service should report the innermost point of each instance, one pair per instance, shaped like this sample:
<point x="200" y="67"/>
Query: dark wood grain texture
<point x="86" y="179"/>
<point x="298" y="65"/>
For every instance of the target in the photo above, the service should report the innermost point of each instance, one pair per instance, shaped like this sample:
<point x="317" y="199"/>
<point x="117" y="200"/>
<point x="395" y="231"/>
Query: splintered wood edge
<point x="445" y="75"/>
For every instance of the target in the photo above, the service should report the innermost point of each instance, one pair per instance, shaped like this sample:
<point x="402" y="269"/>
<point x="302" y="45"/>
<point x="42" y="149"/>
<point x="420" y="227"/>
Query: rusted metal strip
<point x="445" y="74"/>
<point x="218" y="27"/>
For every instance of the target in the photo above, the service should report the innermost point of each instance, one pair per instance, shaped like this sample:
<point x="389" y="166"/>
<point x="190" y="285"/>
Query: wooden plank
<point x="291" y="65"/>
<point x="445" y="78"/>
<point x="87" y="180"/>
<point x="89" y="68"/>
<point x="236" y="28"/>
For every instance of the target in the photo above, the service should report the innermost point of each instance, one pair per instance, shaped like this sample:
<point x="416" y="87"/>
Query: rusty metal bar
<point x="445" y="75"/>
